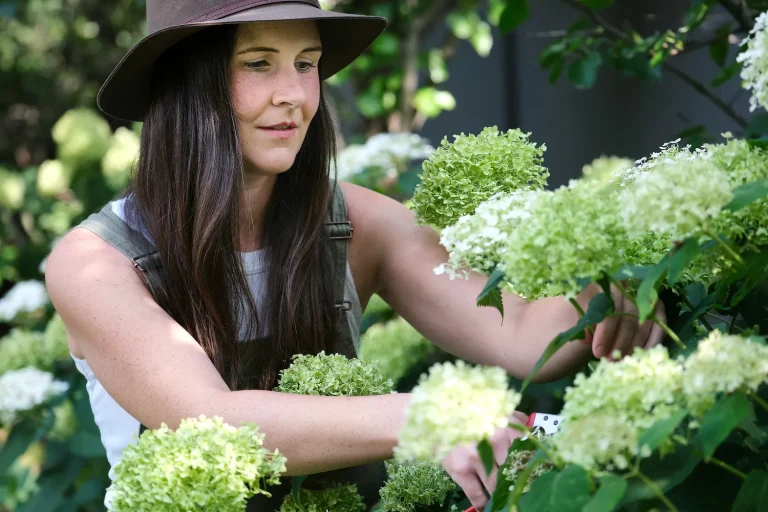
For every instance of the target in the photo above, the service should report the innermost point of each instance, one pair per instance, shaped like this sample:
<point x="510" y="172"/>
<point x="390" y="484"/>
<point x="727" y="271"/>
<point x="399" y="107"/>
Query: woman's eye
<point x="257" y="65"/>
<point x="305" y="66"/>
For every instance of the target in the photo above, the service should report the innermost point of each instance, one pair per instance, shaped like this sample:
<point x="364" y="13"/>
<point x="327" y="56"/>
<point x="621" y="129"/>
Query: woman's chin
<point x="273" y="167"/>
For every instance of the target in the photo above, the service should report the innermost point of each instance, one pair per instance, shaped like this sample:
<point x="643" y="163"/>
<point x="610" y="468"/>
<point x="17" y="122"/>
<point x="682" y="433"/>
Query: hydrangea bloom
<point x="571" y="234"/>
<point x="339" y="498"/>
<point x="454" y="404"/>
<point x="605" y="169"/>
<point x="22" y="348"/>
<point x="723" y="364"/>
<point x="412" y="487"/>
<point x="638" y="390"/>
<point x="680" y="197"/>
<point x="82" y="136"/>
<point x="118" y="161"/>
<point x="205" y="464"/>
<point x="518" y="460"/>
<point x="23" y="390"/>
<point x="754" y="73"/>
<point x="53" y="177"/>
<point x="12" y="188"/>
<point x="392" y="152"/>
<point x="478" y="241"/>
<point x="65" y="422"/>
<point x="24" y="297"/>
<point x="461" y="175"/>
<point x="394" y="348"/>
<point x="332" y="375"/>
<point x="600" y="441"/>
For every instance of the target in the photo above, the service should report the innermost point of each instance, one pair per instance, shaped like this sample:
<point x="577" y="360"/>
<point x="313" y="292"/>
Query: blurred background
<point x="589" y="78"/>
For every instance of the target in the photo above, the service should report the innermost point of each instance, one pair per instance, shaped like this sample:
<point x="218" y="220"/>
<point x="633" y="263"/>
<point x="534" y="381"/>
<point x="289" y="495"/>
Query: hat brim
<point x="126" y="92"/>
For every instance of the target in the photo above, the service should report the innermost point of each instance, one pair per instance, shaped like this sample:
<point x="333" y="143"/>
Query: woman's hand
<point x="624" y="332"/>
<point x="466" y="468"/>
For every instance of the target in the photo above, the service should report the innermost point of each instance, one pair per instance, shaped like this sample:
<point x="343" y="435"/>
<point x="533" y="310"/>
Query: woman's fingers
<point x="464" y="467"/>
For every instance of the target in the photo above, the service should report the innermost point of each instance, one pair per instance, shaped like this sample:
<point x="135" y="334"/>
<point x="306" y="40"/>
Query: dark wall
<point x="620" y="116"/>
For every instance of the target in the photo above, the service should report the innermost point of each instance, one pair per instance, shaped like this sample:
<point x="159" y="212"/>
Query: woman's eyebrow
<point x="274" y="50"/>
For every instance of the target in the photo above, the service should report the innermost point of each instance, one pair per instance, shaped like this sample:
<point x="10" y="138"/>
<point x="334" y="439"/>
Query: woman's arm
<point x="158" y="373"/>
<point x="445" y="311"/>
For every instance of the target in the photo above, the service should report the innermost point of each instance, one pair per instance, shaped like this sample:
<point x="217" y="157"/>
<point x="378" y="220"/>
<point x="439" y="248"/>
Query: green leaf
<point x="753" y="496"/>
<point x="720" y="421"/>
<point x="493" y="299"/>
<point x="647" y="293"/>
<point x="583" y="72"/>
<point x="563" y="491"/>
<point x="746" y="194"/>
<point x="696" y="13"/>
<point x="665" y="472"/>
<point x="612" y="489"/>
<point x="680" y="258"/>
<point x="597" y="4"/>
<point x="600" y="306"/>
<point x="671" y="265"/>
<point x="718" y="50"/>
<point x="515" y="13"/>
<point x="660" y="431"/>
<point x="430" y="101"/>
<point x="296" y="482"/>
<point x="494" y="281"/>
<point x="485" y="450"/>
<point x="726" y="74"/>
<point x="757" y="126"/>
<point x="499" y="501"/>
<point x="21" y="437"/>
<point x="86" y="444"/>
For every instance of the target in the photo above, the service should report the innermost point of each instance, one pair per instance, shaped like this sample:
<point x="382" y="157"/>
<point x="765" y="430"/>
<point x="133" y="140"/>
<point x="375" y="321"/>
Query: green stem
<point x="727" y="467"/>
<point x="652" y="486"/>
<point x="762" y="403"/>
<point x="577" y="306"/>
<point x="726" y="321"/>
<point x="654" y="318"/>
<point x="692" y="308"/>
<point x="733" y="254"/>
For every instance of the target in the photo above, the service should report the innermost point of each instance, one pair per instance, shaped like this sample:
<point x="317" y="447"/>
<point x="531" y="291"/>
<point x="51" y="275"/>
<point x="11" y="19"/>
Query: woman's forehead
<point x="279" y="33"/>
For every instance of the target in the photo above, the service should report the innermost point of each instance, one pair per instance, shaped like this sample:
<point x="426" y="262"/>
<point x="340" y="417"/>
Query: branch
<point x="701" y="89"/>
<point x="740" y="12"/>
<point x="598" y="20"/>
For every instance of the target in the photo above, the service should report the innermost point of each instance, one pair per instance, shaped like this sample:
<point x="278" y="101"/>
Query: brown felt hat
<point x="126" y="93"/>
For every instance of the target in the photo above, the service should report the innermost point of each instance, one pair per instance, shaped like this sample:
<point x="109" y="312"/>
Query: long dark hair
<point x="186" y="192"/>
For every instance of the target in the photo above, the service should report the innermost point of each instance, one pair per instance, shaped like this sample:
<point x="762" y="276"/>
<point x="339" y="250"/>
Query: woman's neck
<point x="257" y="191"/>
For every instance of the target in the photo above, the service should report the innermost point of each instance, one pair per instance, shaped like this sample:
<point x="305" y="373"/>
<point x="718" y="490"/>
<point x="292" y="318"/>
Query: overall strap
<point x="340" y="230"/>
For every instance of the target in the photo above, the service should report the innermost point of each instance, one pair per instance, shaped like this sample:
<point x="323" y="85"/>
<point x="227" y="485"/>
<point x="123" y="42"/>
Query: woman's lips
<point x="280" y="133"/>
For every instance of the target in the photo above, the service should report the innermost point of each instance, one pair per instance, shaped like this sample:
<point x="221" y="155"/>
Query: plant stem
<point x="725" y="246"/>
<point x="652" y="486"/>
<point x="726" y="321"/>
<point x="654" y="318"/>
<point x="762" y="403"/>
<point x="727" y="467"/>
<point x="577" y="306"/>
<point x="692" y="308"/>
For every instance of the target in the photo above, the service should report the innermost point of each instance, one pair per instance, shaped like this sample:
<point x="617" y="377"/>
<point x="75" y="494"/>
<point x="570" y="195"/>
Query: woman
<point x="189" y="295"/>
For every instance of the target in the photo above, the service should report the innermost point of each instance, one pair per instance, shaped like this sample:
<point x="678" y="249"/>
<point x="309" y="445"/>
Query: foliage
<point x="203" y="464"/>
<point x="394" y="347"/>
<point x="22" y="348"/>
<point x="413" y="486"/>
<point x="332" y="375"/>
<point x="341" y="498"/>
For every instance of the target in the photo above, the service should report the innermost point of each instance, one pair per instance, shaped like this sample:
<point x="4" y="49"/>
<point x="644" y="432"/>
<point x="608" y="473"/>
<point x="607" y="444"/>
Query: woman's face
<point x="275" y="91"/>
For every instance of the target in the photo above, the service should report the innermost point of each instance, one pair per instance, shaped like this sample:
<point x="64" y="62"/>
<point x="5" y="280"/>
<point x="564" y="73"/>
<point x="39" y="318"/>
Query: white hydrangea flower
<point x="667" y="154"/>
<point x="24" y="297"/>
<point x="679" y="195"/>
<point x="25" y="389"/>
<point x="638" y="390"/>
<point x="754" y="74"/>
<point x="455" y="404"/>
<point x="723" y="364"/>
<point x="477" y="241"/>
<point x="389" y="151"/>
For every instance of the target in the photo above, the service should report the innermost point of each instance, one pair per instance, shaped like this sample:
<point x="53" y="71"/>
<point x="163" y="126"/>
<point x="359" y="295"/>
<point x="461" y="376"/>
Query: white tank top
<point x="117" y="428"/>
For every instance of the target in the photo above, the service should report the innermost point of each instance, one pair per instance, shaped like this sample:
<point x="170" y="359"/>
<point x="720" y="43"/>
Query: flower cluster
<point x="461" y="175"/>
<point x="679" y="196"/>
<point x="392" y="152"/>
<point x="516" y="463"/>
<point x="452" y="405"/>
<point x="12" y="189"/>
<point x="332" y="375"/>
<point x="22" y="348"/>
<point x="339" y="498"/>
<point x="205" y="464"/>
<point x="118" y="161"/>
<point x="415" y="486"/>
<point x="394" y="347"/>
<point x="605" y="169"/>
<point x="82" y="136"/>
<point x="25" y="389"/>
<point x="723" y="364"/>
<point x="24" y="297"/>
<point x="754" y="60"/>
<point x="638" y="390"/>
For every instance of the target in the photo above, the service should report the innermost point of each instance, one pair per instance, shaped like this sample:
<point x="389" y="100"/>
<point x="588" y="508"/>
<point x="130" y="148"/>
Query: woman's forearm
<point x="318" y="433"/>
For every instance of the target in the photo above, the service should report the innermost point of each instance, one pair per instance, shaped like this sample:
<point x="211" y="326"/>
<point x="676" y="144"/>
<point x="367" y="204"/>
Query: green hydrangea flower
<point x="599" y="442"/>
<point x="394" y="348"/>
<point x="754" y="62"/>
<point x="332" y="375"/>
<point x="454" y="404"/>
<point x="461" y="175"/>
<point x="12" y="189"/>
<point x="82" y="136"/>
<point x="638" y="390"/>
<point x="518" y="460"/>
<point x="65" y="422"/>
<point x="680" y="197"/>
<point x="120" y="157"/>
<point x="723" y="364"/>
<point x="604" y="169"/>
<point x="339" y="498"/>
<point x="205" y="464"/>
<point x="412" y="487"/>
<point x="53" y="177"/>
<point x="22" y="348"/>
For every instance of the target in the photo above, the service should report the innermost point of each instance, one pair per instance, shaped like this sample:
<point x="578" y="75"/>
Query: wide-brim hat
<point x="126" y="94"/>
